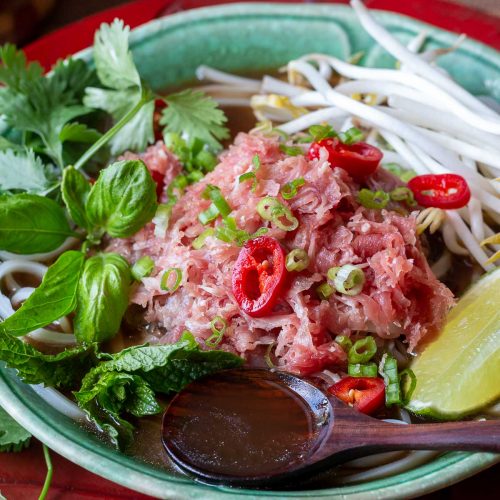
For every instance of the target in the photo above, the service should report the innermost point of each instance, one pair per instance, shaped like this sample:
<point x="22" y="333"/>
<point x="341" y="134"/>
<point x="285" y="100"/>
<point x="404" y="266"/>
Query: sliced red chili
<point x="366" y="394"/>
<point x="359" y="159"/>
<point x="441" y="191"/>
<point x="159" y="178"/>
<point x="258" y="275"/>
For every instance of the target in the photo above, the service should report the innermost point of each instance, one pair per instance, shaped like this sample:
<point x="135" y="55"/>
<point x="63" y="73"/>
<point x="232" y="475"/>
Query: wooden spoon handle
<point x="463" y="436"/>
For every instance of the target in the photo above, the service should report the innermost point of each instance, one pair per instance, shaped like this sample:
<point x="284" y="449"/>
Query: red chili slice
<point x="366" y="394"/>
<point x="359" y="159"/>
<point x="159" y="178"/>
<point x="258" y="275"/>
<point x="441" y="191"/>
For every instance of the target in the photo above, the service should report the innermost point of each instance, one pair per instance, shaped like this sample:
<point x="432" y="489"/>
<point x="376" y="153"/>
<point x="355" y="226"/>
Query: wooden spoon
<point x="257" y="427"/>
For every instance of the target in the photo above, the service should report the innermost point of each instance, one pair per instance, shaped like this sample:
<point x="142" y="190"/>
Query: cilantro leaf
<point x="78" y="132"/>
<point x="160" y="368"/>
<point x="195" y="114"/>
<point x="113" y="59"/>
<point x="14" y="70"/>
<point x="65" y="369"/>
<point x="22" y="171"/>
<point x="13" y="437"/>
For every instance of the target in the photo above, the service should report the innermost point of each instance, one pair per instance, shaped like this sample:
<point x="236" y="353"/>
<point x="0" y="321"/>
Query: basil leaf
<point x="144" y="370"/>
<point x="31" y="224"/>
<point x="123" y="199"/>
<point x="116" y="393"/>
<point x="65" y="369"/>
<point x="54" y="298"/>
<point x="75" y="191"/>
<point x="102" y="297"/>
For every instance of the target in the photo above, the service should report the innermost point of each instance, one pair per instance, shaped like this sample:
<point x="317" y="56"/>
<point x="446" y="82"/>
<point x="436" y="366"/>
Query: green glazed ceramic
<point x="238" y="37"/>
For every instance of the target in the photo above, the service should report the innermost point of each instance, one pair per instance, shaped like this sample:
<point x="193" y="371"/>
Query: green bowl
<point x="258" y="36"/>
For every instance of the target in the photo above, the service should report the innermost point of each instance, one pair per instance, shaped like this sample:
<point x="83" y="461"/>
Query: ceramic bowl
<point x="236" y="38"/>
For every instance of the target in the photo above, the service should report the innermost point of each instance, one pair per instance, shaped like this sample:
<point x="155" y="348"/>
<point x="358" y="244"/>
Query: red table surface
<point x="22" y="474"/>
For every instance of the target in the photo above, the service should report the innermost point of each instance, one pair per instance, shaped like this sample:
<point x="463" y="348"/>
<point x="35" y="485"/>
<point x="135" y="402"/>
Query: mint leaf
<point x="160" y="368"/>
<point x="64" y="370"/>
<point x="31" y="224"/>
<point x="53" y="299"/>
<point x="22" y="171"/>
<point x="75" y="190"/>
<point x="13" y="437"/>
<point x="122" y="200"/>
<point x="114" y="394"/>
<point x="102" y="297"/>
<point x="195" y="114"/>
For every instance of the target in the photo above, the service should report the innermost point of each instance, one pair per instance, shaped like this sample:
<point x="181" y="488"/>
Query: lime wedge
<point x="458" y="373"/>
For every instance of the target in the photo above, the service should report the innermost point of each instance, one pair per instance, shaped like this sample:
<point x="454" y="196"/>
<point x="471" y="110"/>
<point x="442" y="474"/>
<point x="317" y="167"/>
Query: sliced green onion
<point x="214" y="193"/>
<point x="290" y="189"/>
<point x="143" y="268"/>
<point x="403" y="173"/>
<point x="362" y="350"/>
<point x="349" y="280"/>
<point x="229" y="232"/>
<point x="373" y="199"/>
<point x="344" y="342"/>
<point x="199" y="241"/>
<point x="297" y="260"/>
<point x="162" y="217"/>
<point x="256" y="162"/>
<point x="267" y="355"/>
<point x="391" y="379"/>
<point x="362" y="370"/>
<point x="271" y="209"/>
<point x="166" y="278"/>
<point x="351" y="136"/>
<point x="408" y="372"/>
<point x="208" y="215"/>
<point x="325" y="291"/>
<point x="304" y="139"/>
<point x="403" y="194"/>
<point x="319" y="132"/>
<point x="281" y="133"/>
<point x="205" y="160"/>
<point x="332" y="273"/>
<point x="291" y="150"/>
<point x="249" y="176"/>
<point x="217" y="333"/>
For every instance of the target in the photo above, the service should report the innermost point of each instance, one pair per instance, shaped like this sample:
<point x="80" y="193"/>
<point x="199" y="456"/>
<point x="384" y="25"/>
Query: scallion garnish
<point x="406" y="394"/>
<point x="217" y="332"/>
<point x="143" y="268"/>
<point x="373" y="199"/>
<point x="348" y="280"/>
<point x="344" y="342"/>
<point x="214" y="193"/>
<point x="319" y="132"/>
<point x="332" y="272"/>
<point x="290" y="189"/>
<point x="325" y="291"/>
<point x="297" y="260"/>
<point x="362" y="370"/>
<point x="271" y="209"/>
<point x="267" y="355"/>
<point x="229" y="232"/>
<point x="208" y="215"/>
<point x="249" y="176"/>
<point x="165" y="279"/>
<point x="403" y="173"/>
<point x="403" y="194"/>
<point x="351" y="136"/>
<point x="291" y="150"/>
<point x="390" y="373"/>
<point x="362" y="350"/>
<point x="256" y="162"/>
<point x="199" y="241"/>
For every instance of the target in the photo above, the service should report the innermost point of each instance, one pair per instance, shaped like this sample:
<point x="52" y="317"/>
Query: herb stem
<point x="145" y="96"/>
<point x="48" y="477"/>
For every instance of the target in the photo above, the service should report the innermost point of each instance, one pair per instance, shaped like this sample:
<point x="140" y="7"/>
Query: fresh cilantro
<point x="23" y="171"/>
<point x="193" y="113"/>
<point x="125" y="383"/>
<point x="14" y="70"/>
<point x="13" y="437"/>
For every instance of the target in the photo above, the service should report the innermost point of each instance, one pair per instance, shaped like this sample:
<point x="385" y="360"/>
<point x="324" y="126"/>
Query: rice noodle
<point x="40" y="257"/>
<point x="59" y="402"/>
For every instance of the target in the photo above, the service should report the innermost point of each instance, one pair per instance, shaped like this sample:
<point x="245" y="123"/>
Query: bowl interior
<point x="237" y="38"/>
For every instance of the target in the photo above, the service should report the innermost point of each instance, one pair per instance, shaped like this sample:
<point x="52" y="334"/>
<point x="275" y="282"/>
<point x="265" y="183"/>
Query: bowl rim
<point x="455" y="466"/>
